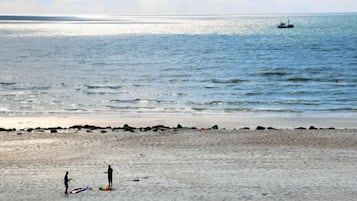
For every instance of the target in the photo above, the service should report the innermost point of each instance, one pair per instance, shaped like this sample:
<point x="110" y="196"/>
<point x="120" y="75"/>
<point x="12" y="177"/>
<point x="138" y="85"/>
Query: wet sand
<point x="182" y="164"/>
<point x="224" y="120"/>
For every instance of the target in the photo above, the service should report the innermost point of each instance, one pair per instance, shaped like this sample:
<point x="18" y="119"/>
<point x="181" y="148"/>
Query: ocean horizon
<point x="192" y="65"/>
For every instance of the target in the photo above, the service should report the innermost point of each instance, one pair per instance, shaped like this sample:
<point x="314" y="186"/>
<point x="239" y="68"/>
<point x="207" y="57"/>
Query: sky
<point x="172" y="7"/>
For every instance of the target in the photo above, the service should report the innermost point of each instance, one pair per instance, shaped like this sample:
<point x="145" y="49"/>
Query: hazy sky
<point x="173" y="6"/>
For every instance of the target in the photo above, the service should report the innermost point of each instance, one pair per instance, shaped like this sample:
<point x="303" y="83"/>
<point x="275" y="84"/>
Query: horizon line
<point x="178" y="14"/>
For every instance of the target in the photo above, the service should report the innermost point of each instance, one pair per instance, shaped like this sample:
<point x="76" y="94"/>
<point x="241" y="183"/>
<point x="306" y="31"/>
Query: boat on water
<point x="283" y="25"/>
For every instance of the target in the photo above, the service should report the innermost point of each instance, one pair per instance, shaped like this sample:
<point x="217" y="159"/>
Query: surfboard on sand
<point x="105" y="188"/>
<point x="80" y="189"/>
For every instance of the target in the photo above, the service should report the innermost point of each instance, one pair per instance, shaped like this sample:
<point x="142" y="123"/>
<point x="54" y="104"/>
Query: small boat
<point x="284" y="25"/>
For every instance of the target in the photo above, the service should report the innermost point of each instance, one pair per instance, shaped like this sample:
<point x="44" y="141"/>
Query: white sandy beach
<point x="180" y="165"/>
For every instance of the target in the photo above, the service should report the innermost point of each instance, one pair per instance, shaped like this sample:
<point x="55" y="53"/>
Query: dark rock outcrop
<point x="7" y="130"/>
<point x="312" y="128"/>
<point x="215" y="127"/>
<point x="128" y="128"/>
<point x="260" y="128"/>
<point x="300" y="128"/>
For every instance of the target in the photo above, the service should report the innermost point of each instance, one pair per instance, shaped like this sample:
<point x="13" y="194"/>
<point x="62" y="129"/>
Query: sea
<point x="70" y="65"/>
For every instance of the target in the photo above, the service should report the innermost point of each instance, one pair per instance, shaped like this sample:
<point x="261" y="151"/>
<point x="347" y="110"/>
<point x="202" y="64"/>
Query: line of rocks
<point x="298" y="128"/>
<point x="128" y="128"/>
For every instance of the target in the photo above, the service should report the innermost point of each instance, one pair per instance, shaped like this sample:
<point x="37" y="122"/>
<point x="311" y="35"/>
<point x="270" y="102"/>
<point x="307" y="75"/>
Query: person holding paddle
<point x="66" y="180"/>
<point x="110" y="176"/>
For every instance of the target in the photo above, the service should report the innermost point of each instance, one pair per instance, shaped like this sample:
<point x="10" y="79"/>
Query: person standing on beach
<point x="110" y="176"/>
<point x="66" y="180"/>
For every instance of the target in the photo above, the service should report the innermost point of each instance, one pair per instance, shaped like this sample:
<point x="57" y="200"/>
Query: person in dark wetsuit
<point x="110" y="176"/>
<point x="66" y="180"/>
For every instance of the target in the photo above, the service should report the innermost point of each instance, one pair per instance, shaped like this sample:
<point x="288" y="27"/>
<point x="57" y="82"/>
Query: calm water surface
<point x="177" y="64"/>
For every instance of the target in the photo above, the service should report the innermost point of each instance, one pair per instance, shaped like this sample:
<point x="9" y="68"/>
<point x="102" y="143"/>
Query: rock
<point x="53" y="130"/>
<point x="78" y="127"/>
<point x="91" y="127"/>
<point x="41" y="130"/>
<point x="160" y="127"/>
<point x="312" y="128"/>
<point x="128" y="128"/>
<point x="300" y="128"/>
<point x="7" y="130"/>
<point x="117" y="128"/>
<point x="215" y="127"/>
<point x="245" y="128"/>
<point x="260" y="128"/>
<point x="329" y="128"/>
<point x="103" y="131"/>
<point x="147" y="128"/>
<point x="29" y="130"/>
<point x="271" y="128"/>
<point x="179" y="126"/>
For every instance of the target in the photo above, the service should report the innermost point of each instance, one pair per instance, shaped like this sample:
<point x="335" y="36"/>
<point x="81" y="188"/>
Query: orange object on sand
<point x="105" y="188"/>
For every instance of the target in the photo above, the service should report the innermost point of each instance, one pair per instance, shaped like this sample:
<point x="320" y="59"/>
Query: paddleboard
<point x="105" y="188"/>
<point x="80" y="189"/>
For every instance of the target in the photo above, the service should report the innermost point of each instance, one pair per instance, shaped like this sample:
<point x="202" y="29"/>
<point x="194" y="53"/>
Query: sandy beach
<point x="181" y="164"/>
